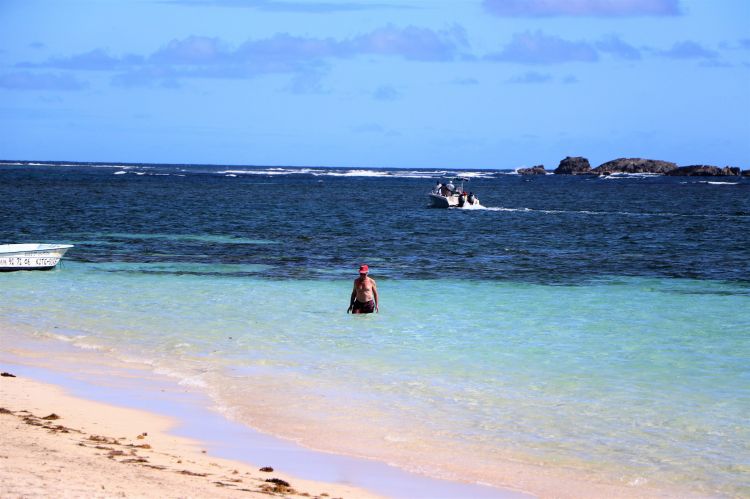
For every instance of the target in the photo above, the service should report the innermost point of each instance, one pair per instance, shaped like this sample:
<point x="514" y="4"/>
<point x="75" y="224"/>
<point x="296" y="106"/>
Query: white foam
<point x="472" y="207"/>
<point x="357" y="173"/>
<point x="120" y="173"/>
<point x="638" y="481"/>
<point x="622" y="175"/>
<point x="74" y="340"/>
<point x="138" y="360"/>
<point x="267" y="171"/>
<point x="396" y="174"/>
<point x="60" y="337"/>
<point x="475" y="174"/>
<point x="619" y="177"/>
<point x="88" y="346"/>
<point x="498" y="208"/>
<point x="360" y="172"/>
<point x="194" y="381"/>
<point x="415" y="175"/>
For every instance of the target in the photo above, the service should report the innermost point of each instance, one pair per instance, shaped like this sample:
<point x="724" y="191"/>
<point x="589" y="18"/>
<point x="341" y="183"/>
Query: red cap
<point x="363" y="269"/>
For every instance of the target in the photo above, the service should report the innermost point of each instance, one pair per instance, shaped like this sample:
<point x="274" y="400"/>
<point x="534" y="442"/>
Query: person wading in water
<point x="364" y="299"/>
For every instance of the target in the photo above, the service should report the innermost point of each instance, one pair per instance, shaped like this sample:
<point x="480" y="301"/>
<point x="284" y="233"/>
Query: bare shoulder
<point x="372" y="281"/>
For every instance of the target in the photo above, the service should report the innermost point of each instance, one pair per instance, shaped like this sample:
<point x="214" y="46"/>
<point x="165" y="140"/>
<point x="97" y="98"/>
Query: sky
<point x="375" y="83"/>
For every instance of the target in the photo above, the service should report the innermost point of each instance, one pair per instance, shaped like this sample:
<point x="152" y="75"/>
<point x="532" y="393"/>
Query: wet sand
<point x="55" y="445"/>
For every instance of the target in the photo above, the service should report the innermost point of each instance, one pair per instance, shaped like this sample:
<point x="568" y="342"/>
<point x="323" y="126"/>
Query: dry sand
<point x="56" y="445"/>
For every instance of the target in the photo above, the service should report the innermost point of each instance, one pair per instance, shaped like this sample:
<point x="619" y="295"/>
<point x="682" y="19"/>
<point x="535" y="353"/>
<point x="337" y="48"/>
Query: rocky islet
<point x="578" y="165"/>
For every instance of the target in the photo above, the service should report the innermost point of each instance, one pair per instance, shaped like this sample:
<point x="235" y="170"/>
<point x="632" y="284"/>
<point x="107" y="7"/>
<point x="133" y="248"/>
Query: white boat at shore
<point x="32" y="256"/>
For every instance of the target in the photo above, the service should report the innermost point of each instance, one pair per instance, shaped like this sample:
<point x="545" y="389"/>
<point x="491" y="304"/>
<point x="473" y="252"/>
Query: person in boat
<point x="471" y="199"/>
<point x="445" y="191"/>
<point x="364" y="299"/>
<point x="437" y="188"/>
<point x="461" y="200"/>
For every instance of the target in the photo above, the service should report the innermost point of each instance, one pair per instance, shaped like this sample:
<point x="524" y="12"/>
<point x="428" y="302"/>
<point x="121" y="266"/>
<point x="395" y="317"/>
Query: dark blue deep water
<point x="320" y="223"/>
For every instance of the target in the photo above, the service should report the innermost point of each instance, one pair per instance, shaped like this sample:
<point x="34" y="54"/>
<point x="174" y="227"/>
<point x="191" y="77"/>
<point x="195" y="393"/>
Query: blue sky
<point x="380" y="83"/>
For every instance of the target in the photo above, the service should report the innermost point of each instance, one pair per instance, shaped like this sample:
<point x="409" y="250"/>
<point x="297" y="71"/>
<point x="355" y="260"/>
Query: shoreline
<point x="89" y="376"/>
<point x="55" y="444"/>
<point x="195" y="433"/>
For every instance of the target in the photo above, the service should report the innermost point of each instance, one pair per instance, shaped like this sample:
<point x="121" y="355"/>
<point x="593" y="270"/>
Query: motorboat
<point x="32" y="256"/>
<point x="446" y="195"/>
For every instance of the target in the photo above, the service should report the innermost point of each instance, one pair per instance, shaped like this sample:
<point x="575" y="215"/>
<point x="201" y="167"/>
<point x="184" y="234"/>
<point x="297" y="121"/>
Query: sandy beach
<point x="57" y="445"/>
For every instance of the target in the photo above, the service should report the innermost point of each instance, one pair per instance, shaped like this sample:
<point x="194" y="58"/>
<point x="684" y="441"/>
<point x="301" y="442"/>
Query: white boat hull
<point x="31" y="256"/>
<point x="438" y="201"/>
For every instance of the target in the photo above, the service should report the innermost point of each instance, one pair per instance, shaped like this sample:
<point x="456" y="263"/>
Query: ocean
<point x="593" y="327"/>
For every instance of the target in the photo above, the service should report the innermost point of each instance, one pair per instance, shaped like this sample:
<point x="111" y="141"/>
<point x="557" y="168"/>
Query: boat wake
<point x="606" y="213"/>
<point x="470" y="207"/>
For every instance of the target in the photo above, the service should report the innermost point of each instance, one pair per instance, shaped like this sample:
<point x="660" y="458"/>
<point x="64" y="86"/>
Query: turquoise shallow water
<point x="631" y="380"/>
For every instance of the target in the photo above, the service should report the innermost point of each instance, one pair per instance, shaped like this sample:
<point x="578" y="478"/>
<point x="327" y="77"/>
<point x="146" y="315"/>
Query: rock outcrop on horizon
<point x="635" y="165"/>
<point x="577" y="165"/>
<point x="705" y="171"/>
<point x="534" y="170"/>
